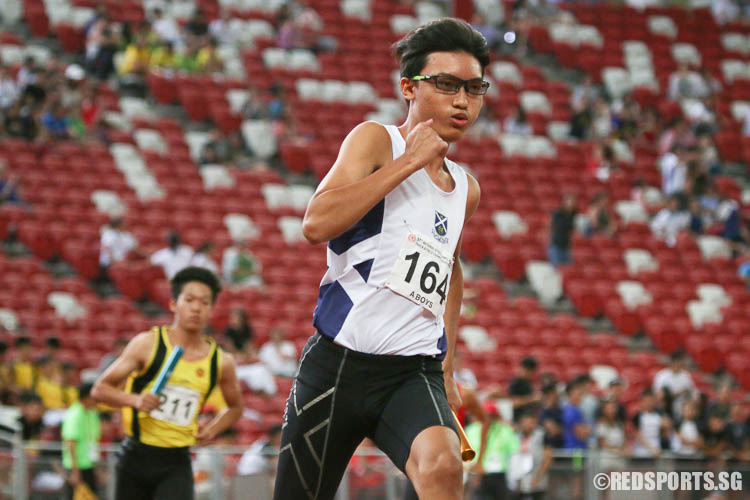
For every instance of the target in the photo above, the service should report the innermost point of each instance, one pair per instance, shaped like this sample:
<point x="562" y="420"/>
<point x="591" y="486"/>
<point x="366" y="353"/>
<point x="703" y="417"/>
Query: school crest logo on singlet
<point x="440" y="229"/>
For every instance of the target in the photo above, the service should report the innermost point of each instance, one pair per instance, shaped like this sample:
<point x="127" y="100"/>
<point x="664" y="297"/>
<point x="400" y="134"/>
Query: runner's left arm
<point x="453" y="303"/>
<point x="230" y="388"/>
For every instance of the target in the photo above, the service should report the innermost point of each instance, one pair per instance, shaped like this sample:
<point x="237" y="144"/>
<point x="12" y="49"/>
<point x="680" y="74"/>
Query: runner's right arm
<point x="363" y="174"/>
<point x="133" y="359"/>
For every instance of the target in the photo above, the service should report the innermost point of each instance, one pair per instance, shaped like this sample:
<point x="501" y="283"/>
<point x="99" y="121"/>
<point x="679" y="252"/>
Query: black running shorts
<point x="342" y="396"/>
<point x="152" y="473"/>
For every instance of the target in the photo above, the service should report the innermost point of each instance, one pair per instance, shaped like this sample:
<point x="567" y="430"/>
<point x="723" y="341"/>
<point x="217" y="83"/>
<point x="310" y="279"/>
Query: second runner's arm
<point x="108" y="387"/>
<point x="230" y="388"/>
<point x="453" y="303"/>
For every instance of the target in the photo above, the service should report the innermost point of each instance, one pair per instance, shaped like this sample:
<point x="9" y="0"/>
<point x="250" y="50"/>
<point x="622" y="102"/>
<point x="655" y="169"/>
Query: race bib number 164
<point x="422" y="273"/>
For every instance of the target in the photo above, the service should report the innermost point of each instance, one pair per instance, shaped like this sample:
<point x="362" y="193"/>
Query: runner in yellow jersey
<point x="155" y="460"/>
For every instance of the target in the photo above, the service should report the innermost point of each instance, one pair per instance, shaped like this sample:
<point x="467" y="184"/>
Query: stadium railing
<point x="33" y="471"/>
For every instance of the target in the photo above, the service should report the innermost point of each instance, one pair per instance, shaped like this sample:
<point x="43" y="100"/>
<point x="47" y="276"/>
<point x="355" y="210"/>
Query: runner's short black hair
<point x="442" y="35"/>
<point x="199" y="274"/>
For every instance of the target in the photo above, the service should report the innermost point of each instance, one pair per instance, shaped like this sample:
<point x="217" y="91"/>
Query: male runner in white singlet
<point x="392" y="210"/>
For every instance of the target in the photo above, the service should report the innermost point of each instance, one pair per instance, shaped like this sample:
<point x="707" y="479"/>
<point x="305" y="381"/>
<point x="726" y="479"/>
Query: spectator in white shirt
<point x="114" y="243"/>
<point x="673" y="171"/>
<point x="219" y="28"/>
<point x="686" y="441"/>
<point x="670" y="221"/>
<point x="166" y="27"/>
<point x="8" y="88"/>
<point x="279" y="355"/>
<point x="677" y="381"/>
<point x="517" y="124"/>
<point x="254" y="373"/>
<point x="174" y="257"/>
<point x="685" y="84"/>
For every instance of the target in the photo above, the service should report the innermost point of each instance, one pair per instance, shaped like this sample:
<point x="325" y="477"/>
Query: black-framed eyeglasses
<point x="452" y="84"/>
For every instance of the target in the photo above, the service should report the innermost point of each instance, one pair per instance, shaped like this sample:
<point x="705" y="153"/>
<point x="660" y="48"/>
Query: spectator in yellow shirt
<point x="24" y="372"/>
<point x="137" y="56"/>
<point x="164" y="57"/>
<point x="208" y="59"/>
<point x="49" y="385"/>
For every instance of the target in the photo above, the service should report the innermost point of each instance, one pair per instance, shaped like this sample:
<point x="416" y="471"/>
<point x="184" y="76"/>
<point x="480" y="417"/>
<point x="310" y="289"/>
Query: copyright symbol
<point x="601" y="481"/>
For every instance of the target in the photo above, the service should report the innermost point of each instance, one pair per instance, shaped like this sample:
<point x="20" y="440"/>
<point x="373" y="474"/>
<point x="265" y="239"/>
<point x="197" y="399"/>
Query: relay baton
<point x="166" y="370"/>
<point x="467" y="452"/>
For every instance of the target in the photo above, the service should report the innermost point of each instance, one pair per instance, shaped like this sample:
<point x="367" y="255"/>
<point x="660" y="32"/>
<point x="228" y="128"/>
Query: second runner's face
<point x="193" y="307"/>
<point x="452" y="114"/>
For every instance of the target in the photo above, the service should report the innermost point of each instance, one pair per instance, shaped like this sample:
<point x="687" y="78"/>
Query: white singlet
<point x="388" y="275"/>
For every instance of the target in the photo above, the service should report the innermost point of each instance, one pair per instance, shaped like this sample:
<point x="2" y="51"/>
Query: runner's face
<point x="193" y="306"/>
<point x="453" y="114"/>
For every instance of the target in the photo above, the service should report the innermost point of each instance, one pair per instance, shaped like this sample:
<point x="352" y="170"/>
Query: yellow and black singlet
<point x="173" y="423"/>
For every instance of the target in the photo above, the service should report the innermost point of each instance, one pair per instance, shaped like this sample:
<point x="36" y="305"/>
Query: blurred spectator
<point x="708" y="155"/>
<point x="24" y="372"/>
<point x="196" y="28"/>
<point x="254" y="373"/>
<point x="90" y="107"/>
<point x="80" y="433"/>
<point x="614" y="393"/>
<point x="202" y="257"/>
<point x="207" y="58"/>
<point x="551" y="417"/>
<point x="677" y="381"/>
<point x="610" y="437"/>
<point x="303" y="29"/>
<point x="174" y="257"/>
<point x="30" y="422"/>
<point x="589" y="401"/>
<point x="462" y="374"/>
<point x="501" y="444"/>
<point x="648" y="424"/>
<point x="101" y="47"/>
<point x="686" y="440"/>
<point x="601" y="162"/>
<point x="576" y="431"/>
<point x="217" y="150"/>
<point x="673" y="167"/>
<point x="677" y="134"/>
<point x="164" y="57"/>
<point x="239" y="266"/>
<point x="110" y="358"/>
<point x="239" y="330"/>
<point x="684" y="84"/>
<point x="70" y="91"/>
<point x="8" y="186"/>
<point x="137" y="56"/>
<point x="599" y="217"/>
<point x="697" y="217"/>
<point x="279" y="355"/>
<point x="743" y="271"/>
<point x="518" y="124"/>
<point x="737" y="434"/>
<point x="720" y="405"/>
<point x="278" y="106"/>
<point x="115" y="243"/>
<point x="260" y="457"/>
<point x="49" y="385"/>
<point x="6" y="375"/>
<point x="255" y="108"/>
<point x="529" y="466"/>
<point x="521" y="389"/>
<point x="166" y="27"/>
<point x="728" y="213"/>
<point x="584" y="94"/>
<point x="51" y="350"/>
<point x="55" y="120"/>
<point x="714" y="436"/>
<point x="670" y="221"/>
<point x="601" y="121"/>
<point x="219" y="28"/>
<point x="27" y="73"/>
<point x="709" y="85"/>
<point x="9" y="90"/>
<point x="21" y="119"/>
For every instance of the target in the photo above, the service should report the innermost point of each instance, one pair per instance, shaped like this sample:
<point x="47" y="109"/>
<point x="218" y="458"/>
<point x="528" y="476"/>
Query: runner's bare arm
<point x="453" y="303"/>
<point x="230" y="389"/>
<point x="363" y="174"/>
<point x="107" y="388"/>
